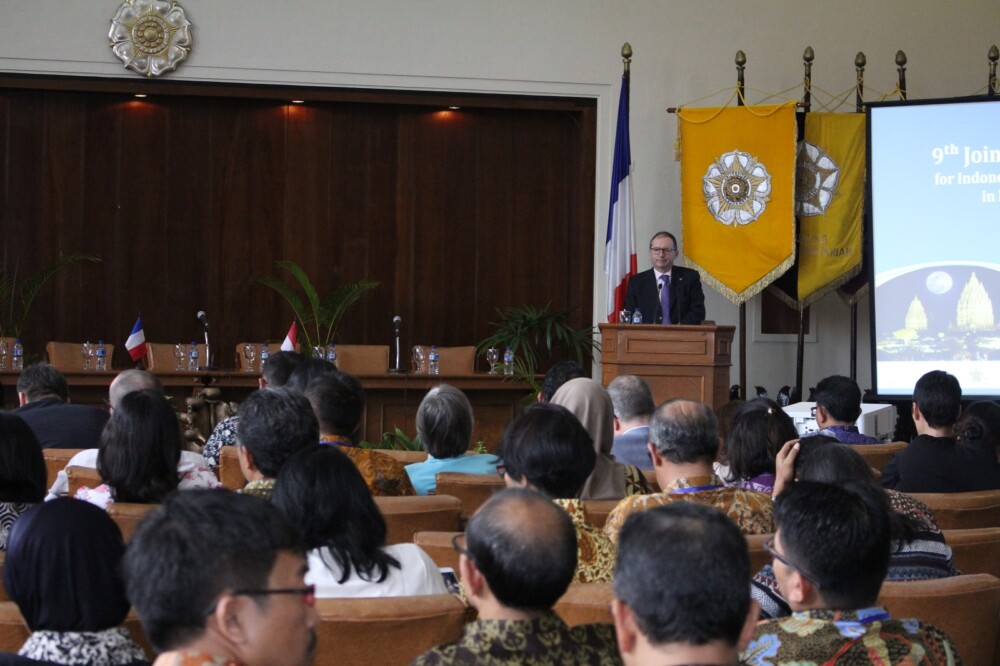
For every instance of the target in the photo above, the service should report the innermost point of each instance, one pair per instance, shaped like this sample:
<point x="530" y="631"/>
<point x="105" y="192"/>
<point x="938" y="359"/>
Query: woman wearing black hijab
<point x="62" y="570"/>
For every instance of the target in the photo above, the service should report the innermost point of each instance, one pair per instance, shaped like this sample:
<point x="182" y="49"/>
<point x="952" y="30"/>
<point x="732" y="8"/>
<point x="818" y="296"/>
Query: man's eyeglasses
<point x="308" y="594"/>
<point x="662" y="250"/>
<point x="769" y="547"/>
<point x="460" y="549"/>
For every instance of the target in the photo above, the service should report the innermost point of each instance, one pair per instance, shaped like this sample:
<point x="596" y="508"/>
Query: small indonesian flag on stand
<point x="289" y="343"/>
<point x="136" y="343"/>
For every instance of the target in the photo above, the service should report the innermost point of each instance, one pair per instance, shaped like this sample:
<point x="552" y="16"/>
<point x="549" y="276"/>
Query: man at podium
<point x="666" y="294"/>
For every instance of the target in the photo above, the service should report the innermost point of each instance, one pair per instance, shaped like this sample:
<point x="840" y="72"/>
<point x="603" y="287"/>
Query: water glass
<point x="180" y="353"/>
<point x="625" y="317"/>
<point x="3" y="354"/>
<point x="87" y="352"/>
<point x="418" y="359"/>
<point x="249" y="353"/>
<point x="492" y="356"/>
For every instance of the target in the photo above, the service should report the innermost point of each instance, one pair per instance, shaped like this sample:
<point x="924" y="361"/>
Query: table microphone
<point x="397" y="323"/>
<point x="203" y="318"/>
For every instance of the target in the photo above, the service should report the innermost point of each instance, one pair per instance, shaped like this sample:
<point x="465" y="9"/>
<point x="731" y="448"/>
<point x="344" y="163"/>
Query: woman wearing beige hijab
<point x="591" y="404"/>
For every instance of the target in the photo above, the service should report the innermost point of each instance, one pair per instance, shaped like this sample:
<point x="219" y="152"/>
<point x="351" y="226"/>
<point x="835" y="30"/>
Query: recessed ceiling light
<point x="298" y="101"/>
<point x="140" y="95"/>
<point x="454" y="108"/>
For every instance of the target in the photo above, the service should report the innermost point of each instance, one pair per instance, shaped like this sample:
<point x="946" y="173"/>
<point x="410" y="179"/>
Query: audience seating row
<point x="878" y="455"/>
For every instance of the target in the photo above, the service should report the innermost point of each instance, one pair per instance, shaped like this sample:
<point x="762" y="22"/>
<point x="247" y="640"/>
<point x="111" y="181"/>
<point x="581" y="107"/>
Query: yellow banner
<point x="830" y="202"/>
<point x="738" y="195"/>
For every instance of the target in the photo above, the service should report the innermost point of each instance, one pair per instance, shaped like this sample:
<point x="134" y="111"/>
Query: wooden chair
<point x="967" y="608"/>
<point x="454" y="360"/>
<point x="363" y="359"/>
<point x="959" y="511"/>
<point x="81" y="476"/>
<point x="3" y="590"/>
<point x="586" y="603"/>
<point x="976" y="551"/>
<point x="386" y="630"/>
<point x="878" y="455"/>
<point x="405" y="516"/>
<point x="438" y="546"/>
<point x="229" y="470"/>
<point x="471" y="489"/>
<point x="650" y="477"/>
<point x="55" y="462"/>
<point x="128" y="515"/>
<point x="758" y="556"/>
<point x="65" y="356"/>
<point x="161" y="357"/>
<point x="597" y="511"/>
<point x="405" y="457"/>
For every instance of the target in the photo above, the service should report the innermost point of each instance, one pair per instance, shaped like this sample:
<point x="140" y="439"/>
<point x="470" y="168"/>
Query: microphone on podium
<point x="397" y="323"/>
<point x="203" y="318"/>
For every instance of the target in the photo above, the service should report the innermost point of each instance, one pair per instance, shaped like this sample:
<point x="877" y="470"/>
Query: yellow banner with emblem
<point x="830" y="202"/>
<point x="738" y="195"/>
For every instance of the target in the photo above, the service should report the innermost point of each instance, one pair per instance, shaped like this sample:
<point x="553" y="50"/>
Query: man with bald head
<point x="684" y="438"/>
<point x="517" y="558"/>
<point x="131" y="380"/>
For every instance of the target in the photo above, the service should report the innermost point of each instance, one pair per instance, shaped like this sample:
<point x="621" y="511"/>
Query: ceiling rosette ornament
<point x="150" y="36"/>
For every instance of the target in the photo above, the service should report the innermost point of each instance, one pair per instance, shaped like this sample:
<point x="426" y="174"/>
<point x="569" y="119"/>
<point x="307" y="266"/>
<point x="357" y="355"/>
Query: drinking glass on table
<point x="3" y="354"/>
<point x="418" y="359"/>
<point x="249" y="353"/>
<point x="180" y="353"/>
<point x="87" y="352"/>
<point x="492" y="356"/>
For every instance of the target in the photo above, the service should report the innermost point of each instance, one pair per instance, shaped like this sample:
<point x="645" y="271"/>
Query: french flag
<point x="136" y="343"/>
<point x="290" y="339"/>
<point x="619" y="249"/>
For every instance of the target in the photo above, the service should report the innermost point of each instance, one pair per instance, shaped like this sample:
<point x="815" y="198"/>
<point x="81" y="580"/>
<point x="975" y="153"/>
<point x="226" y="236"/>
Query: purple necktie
<point x="665" y="299"/>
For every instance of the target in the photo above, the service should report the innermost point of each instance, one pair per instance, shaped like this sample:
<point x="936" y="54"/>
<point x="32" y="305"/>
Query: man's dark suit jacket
<point x="687" y="301"/>
<point x="60" y="425"/>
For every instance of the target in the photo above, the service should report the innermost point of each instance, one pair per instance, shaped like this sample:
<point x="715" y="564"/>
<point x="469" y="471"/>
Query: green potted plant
<point x="319" y="316"/>
<point x="16" y="299"/>
<point x="536" y="334"/>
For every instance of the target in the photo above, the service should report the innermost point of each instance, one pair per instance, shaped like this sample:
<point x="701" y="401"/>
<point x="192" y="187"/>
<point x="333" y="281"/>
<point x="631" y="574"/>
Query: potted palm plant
<point x="16" y="298"/>
<point x="319" y="316"/>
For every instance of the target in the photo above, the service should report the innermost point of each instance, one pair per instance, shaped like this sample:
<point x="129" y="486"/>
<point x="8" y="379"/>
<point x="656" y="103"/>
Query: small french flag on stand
<point x="136" y="343"/>
<point x="289" y="343"/>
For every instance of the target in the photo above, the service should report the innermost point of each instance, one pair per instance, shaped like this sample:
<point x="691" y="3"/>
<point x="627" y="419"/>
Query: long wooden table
<point x="392" y="399"/>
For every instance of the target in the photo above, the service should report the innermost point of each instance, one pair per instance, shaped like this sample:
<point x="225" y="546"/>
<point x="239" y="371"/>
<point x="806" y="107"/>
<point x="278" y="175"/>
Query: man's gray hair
<point x="685" y="431"/>
<point x="631" y="397"/>
<point x="128" y="381"/>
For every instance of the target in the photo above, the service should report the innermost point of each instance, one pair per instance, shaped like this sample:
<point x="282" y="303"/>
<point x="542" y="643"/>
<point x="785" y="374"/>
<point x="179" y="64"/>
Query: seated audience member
<point x="127" y="381"/>
<point x="444" y="426"/>
<point x="758" y="432"/>
<point x="547" y="449"/>
<point x="838" y="408"/>
<point x="62" y="571"/>
<point x="681" y="588"/>
<point x="831" y="578"/>
<point x="557" y="375"/>
<point x="589" y="402"/>
<point x="275" y="372"/>
<point x="979" y="428"/>
<point x="919" y="551"/>
<point x="633" y="404"/>
<point x="140" y="458"/>
<point x="217" y="578"/>
<point x="274" y="424"/>
<point x="22" y="472"/>
<point x="933" y="463"/>
<point x="725" y="416"/>
<point x="322" y="494"/>
<point x="44" y="398"/>
<point x="684" y="440"/>
<point x="517" y="560"/>
<point x="339" y="403"/>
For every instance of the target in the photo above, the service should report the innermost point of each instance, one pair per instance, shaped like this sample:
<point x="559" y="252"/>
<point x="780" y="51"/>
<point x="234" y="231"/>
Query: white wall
<point x="684" y="50"/>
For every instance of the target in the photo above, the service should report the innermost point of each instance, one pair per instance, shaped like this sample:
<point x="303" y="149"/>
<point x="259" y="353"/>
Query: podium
<point x="676" y="361"/>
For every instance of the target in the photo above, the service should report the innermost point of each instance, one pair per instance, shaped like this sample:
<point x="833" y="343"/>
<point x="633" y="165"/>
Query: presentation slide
<point x="934" y="206"/>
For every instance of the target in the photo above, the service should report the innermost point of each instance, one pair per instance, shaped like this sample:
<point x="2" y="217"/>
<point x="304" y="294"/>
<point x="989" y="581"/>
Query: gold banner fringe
<point x="752" y="290"/>
<point x="836" y="283"/>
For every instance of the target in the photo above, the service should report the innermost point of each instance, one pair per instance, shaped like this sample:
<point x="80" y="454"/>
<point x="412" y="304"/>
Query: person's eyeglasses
<point x="501" y="471"/>
<point x="458" y="547"/>
<point x="662" y="250"/>
<point x="769" y="547"/>
<point x="308" y="594"/>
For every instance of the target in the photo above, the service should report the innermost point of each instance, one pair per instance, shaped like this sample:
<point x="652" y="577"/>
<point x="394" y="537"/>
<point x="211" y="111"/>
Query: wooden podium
<point x="676" y="361"/>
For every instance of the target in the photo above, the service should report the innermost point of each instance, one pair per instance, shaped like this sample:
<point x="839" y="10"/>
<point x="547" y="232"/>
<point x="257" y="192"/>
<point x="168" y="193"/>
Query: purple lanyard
<point x="693" y="489"/>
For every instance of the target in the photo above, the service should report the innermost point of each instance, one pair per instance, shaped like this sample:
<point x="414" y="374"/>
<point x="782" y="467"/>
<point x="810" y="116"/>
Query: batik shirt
<point x="10" y="512"/>
<point x="262" y="488"/>
<point x="752" y="511"/>
<point x="849" y="638"/>
<point x="595" y="560"/>
<point x="223" y="435"/>
<point x="193" y="659"/>
<point x="546" y="641"/>
<point x="383" y="474"/>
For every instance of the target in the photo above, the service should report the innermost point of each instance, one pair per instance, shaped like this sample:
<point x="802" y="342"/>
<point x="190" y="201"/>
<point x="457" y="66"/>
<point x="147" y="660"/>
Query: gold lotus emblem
<point x="150" y="36"/>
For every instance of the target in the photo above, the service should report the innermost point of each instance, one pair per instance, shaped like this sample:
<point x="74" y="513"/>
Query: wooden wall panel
<point x="185" y="196"/>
